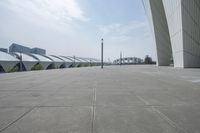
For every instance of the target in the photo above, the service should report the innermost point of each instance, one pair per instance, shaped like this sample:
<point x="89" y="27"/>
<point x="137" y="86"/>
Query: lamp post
<point x="120" y="60"/>
<point x="102" y="53"/>
<point x="74" y="61"/>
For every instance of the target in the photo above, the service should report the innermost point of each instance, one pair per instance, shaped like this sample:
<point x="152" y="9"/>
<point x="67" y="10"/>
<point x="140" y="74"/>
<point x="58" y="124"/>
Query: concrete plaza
<point x="126" y="99"/>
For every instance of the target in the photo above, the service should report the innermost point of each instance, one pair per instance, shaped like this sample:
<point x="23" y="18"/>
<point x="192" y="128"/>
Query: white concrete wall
<point x="174" y="20"/>
<point x="191" y="32"/>
<point x="183" y="17"/>
<point x="156" y="14"/>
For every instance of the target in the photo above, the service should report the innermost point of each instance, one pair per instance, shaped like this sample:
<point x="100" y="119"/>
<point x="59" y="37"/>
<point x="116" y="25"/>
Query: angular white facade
<point x="156" y="14"/>
<point x="57" y="62"/>
<point x="180" y="20"/>
<point x="44" y="61"/>
<point x="28" y="61"/>
<point x="67" y="62"/>
<point x="7" y="61"/>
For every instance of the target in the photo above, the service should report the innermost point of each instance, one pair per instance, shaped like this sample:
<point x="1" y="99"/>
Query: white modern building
<point x="22" y="58"/>
<point x="175" y="25"/>
<point x="68" y="62"/>
<point x="128" y="61"/>
<point x="7" y="61"/>
<point x="59" y="63"/>
<point x="28" y="61"/>
<point x="84" y="61"/>
<point x="44" y="61"/>
<point x="76" y="62"/>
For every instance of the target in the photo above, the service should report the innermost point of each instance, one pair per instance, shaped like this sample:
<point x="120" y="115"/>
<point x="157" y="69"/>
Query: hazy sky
<point x="75" y="27"/>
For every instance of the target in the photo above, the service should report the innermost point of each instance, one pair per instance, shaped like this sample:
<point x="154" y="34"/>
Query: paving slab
<point x="54" y="120"/>
<point x="187" y="117"/>
<point x="130" y="120"/>
<point x="70" y="98"/>
<point x="117" y="98"/>
<point x="24" y="99"/>
<point x="9" y="115"/>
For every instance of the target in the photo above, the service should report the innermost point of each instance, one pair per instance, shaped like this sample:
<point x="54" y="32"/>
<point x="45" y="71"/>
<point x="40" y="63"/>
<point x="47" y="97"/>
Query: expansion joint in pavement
<point x="163" y="116"/>
<point x="20" y="117"/>
<point x="93" y="109"/>
<point x="172" y="123"/>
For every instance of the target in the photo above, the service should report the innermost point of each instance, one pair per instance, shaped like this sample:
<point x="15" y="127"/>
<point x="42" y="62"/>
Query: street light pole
<point x="74" y="61"/>
<point x="120" y="58"/>
<point x="102" y="53"/>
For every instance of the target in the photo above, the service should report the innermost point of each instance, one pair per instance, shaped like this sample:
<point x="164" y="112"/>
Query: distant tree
<point x="148" y="60"/>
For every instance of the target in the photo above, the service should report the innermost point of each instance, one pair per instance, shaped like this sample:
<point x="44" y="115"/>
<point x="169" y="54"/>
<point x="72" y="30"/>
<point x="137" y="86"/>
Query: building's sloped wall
<point x="28" y="65"/>
<point x="183" y="17"/>
<point x="58" y="64"/>
<point x="45" y="64"/>
<point x="156" y="14"/>
<point x="191" y="32"/>
<point x="8" y="65"/>
<point x="174" y="19"/>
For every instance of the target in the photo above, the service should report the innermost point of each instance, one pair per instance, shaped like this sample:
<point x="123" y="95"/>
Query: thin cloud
<point x="52" y="10"/>
<point x="117" y="29"/>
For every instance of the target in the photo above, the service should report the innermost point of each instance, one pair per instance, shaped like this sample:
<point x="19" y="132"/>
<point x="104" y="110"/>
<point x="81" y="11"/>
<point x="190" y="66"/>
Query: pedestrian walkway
<point x="117" y="99"/>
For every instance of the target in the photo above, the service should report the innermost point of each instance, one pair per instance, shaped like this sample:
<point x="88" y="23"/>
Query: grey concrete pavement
<point x="127" y="99"/>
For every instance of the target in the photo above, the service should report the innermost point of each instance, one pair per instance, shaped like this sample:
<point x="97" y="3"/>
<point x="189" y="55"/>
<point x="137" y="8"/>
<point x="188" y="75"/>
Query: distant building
<point x="26" y="59"/>
<point x="19" y="48"/>
<point x="128" y="61"/>
<point x="38" y="51"/>
<point x="4" y="50"/>
<point x="23" y="49"/>
<point x="7" y="62"/>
